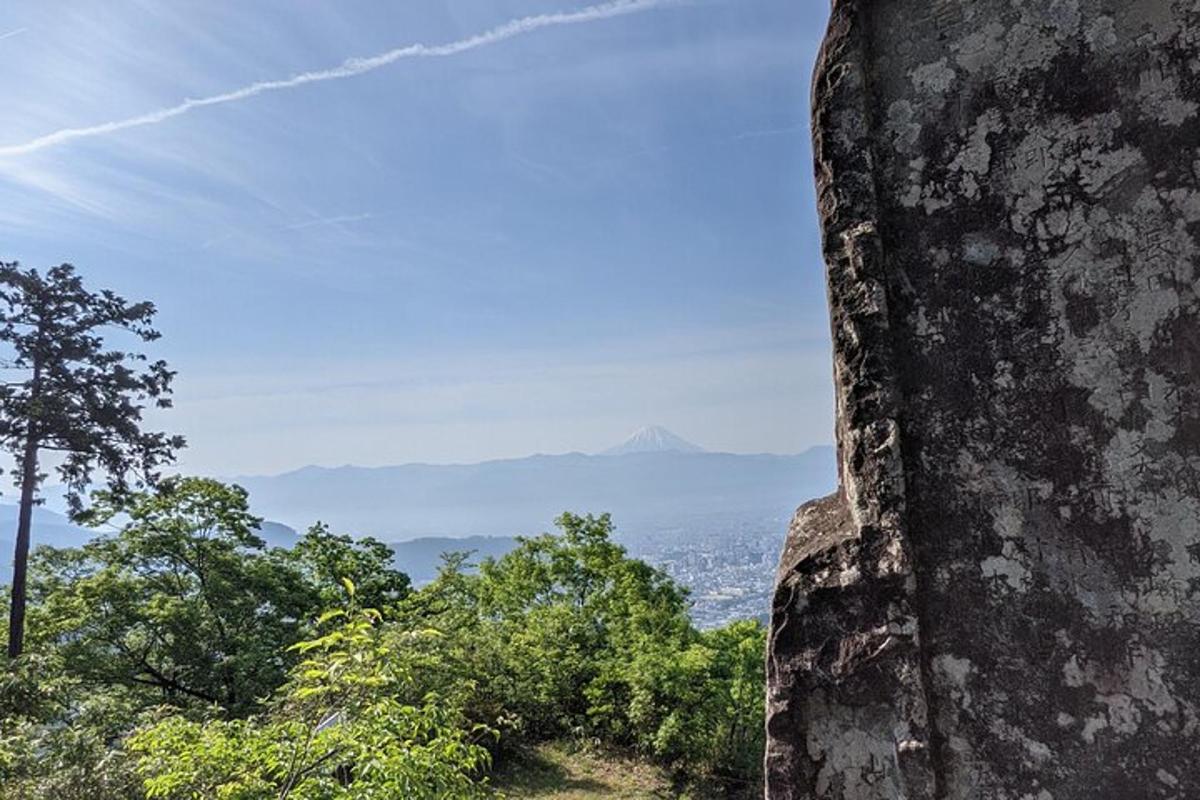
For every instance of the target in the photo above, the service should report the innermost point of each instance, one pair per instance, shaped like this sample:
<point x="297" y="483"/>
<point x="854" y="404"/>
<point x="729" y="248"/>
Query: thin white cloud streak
<point x="350" y="68"/>
<point x="323" y="221"/>
<point x="10" y="34"/>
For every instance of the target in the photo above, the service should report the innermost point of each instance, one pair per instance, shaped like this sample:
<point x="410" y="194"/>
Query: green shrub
<point x="337" y="729"/>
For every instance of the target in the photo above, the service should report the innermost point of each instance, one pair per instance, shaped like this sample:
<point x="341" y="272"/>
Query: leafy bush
<point x="568" y="636"/>
<point x="59" y="741"/>
<point x="337" y="729"/>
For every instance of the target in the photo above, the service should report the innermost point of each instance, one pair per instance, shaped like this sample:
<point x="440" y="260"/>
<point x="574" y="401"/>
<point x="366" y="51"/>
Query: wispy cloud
<point x="347" y="69"/>
<point x="12" y="33"/>
<point x="335" y="220"/>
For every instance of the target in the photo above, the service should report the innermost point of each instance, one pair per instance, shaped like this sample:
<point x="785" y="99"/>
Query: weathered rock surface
<point x="1002" y="602"/>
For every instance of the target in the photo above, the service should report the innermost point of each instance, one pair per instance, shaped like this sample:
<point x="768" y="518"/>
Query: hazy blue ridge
<point x="423" y="510"/>
<point x="56" y="530"/>
<point x="523" y="496"/>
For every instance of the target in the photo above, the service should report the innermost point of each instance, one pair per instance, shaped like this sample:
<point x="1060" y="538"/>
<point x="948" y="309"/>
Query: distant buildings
<point x="727" y="561"/>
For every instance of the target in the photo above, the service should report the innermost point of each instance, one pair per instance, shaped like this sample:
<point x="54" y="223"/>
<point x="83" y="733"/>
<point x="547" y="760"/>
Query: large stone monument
<point x="1002" y="601"/>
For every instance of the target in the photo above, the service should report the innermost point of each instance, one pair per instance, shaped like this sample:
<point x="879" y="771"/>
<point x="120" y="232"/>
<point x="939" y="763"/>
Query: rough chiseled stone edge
<point x="844" y="620"/>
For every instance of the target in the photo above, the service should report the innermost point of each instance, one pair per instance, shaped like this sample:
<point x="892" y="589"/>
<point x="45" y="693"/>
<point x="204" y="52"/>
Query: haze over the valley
<point x="646" y="481"/>
<point x="667" y="496"/>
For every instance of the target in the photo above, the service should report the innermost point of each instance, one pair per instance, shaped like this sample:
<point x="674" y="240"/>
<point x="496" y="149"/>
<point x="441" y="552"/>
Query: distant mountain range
<point x="49" y="528"/>
<point x="421" y="558"/>
<point x="650" y="479"/>
<point x="55" y="530"/>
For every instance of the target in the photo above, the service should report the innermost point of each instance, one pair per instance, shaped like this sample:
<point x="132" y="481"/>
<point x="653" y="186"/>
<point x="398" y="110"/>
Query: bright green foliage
<point x="41" y="755"/>
<point x="573" y="609"/>
<point x="567" y="635"/>
<point x="703" y="704"/>
<point x="337" y="730"/>
<point x="185" y="604"/>
<point x="325" y="558"/>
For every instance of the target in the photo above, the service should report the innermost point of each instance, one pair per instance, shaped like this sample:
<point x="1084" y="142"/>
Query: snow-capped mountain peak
<point x="653" y="439"/>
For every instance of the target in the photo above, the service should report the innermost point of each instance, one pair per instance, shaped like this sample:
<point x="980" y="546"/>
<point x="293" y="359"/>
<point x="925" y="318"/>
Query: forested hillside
<point x="181" y="657"/>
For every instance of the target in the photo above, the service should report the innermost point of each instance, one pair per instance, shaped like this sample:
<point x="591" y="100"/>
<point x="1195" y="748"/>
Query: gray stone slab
<point x="1002" y="601"/>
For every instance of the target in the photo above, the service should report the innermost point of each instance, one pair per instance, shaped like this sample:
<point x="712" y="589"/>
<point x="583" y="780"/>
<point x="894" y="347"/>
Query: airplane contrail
<point x="10" y="34"/>
<point x="347" y="69"/>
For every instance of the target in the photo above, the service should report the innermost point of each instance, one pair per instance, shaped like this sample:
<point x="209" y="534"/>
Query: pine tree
<point x="69" y="394"/>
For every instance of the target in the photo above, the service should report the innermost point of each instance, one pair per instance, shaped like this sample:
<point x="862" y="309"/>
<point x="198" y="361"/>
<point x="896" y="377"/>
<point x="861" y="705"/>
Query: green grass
<point x="561" y="771"/>
<point x="558" y="771"/>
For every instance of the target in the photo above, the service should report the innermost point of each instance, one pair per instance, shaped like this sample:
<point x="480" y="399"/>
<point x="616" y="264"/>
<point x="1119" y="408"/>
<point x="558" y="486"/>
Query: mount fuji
<point x="653" y="439"/>
<point x="654" y="478"/>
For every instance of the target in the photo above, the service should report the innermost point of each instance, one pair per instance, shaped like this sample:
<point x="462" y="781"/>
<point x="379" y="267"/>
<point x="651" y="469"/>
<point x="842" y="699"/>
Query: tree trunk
<point x="16" y="618"/>
<point x="29" y="480"/>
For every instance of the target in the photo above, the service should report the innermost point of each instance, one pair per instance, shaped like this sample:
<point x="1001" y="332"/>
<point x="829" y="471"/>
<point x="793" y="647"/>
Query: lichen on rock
<point x="1002" y="601"/>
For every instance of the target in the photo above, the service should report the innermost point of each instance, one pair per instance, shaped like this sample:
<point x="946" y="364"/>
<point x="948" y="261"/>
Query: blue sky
<point x="537" y="240"/>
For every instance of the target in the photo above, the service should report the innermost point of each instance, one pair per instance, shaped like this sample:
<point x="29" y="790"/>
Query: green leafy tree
<point x="569" y="608"/>
<point x="185" y="602"/>
<point x="327" y="558"/>
<point x="337" y="731"/>
<point x="737" y="744"/>
<point x="68" y="393"/>
<point x="543" y="634"/>
<point x="565" y="637"/>
<point x="700" y="704"/>
<point x="568" y="636"/>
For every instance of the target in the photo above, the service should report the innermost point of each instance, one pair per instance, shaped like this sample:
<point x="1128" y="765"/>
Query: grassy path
<point x="557" y="772"/>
